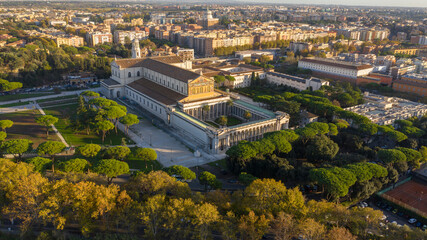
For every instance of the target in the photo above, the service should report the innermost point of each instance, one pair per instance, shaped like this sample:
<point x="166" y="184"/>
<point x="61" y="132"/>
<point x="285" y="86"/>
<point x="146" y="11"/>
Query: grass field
<point x="11" y="97"/>
<point x="65" y="113"/>
<point x="25" y="127"/>
<point x="220" y="163"/>
<point x="136" y="164"/>
<point x="14" y="104"/>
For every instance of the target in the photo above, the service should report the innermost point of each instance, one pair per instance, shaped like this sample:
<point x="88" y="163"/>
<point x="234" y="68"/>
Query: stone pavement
<point x="21" y="108"/>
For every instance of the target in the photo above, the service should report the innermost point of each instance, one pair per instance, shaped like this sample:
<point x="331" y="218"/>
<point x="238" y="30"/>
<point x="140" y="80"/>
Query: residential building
<point x="338" y="70"/>
<point x="295" y="82"/>
<point x="96" y="38"/>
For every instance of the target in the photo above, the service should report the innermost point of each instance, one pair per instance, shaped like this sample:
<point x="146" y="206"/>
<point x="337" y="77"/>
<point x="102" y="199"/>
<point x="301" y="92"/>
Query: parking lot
<point x="393" y="214"/>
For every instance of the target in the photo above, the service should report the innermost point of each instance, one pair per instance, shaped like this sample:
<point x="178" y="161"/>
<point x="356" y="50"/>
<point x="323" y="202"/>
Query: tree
<point x="76" y="165"/>
<point x="40" y="164"/>
<point x="205" y="216"/>
<point x="89" y="150"/>
<point x="90" y="94"/>
<point x="321" y="148"/>
<point x="181" y="172"/>
<point x="396" y="136"/>
<point x="265" y="196"/>
<point x="219" y="79"/>
<point x="247" y="115"/>
<point x="5" y="124"/>
<point x="246" y="178"/>
<point x="145" y="154"/>
<point x="3" y="136"/>
<point x="208" y="179"/>
<point x="310" y="229"/>
<point x="6" y="86"/>
<point x="129" y="120"/>
<point x="222" y="120"/>
<point x="391" y="155"/>
<point x="114" y="113"/>
<point x="252" y="227"/>
<point x="283" y="227"/>
<point x="333" y="129"/>
<point x="279" y="140"/>
<point x="51" y="148"/>
<point x="111" y="168"/>
<point x="17" y="147"/>
<point x="104" y="126"/>
<point x="47" y="121"/>
<point x="368" y="128"/>
<point x="412" y="156"/>
<point x="117" y="152"/>
<point x="321" y="128"/>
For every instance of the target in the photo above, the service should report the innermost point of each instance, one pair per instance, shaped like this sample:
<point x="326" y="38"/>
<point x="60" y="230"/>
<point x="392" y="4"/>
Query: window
<point x="138" y="74"/>
<point x="129" y="74"/>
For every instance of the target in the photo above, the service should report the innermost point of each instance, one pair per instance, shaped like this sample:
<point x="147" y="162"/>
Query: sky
<point x="383" y="3"/>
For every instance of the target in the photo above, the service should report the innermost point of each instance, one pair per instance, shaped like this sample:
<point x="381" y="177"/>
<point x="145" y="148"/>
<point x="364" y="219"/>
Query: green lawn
<point x="14" y="104"/>
<point x="25" y="127"/>
<point x="65" y="114"/>
<point x="137" y="164"/>
<point x="231" y="121"/>
<point x="56" y="98"/>
<point x="22" y="96"/>
<point x="220" y="163"/>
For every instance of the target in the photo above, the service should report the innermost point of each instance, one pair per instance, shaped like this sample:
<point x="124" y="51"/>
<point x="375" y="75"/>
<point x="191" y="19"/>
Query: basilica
<point x="187" y="101"/>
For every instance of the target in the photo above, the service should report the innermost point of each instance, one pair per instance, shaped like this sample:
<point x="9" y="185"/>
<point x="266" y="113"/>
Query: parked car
<point x="394" y="211"/>
<point x="412" y="220"/>
<point x="418" y="224"/>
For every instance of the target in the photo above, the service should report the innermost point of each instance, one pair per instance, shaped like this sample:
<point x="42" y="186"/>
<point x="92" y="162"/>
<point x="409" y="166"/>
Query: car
<point x="365" y="204"/>
<point x="389" y="208"/>
<point x="418" y="224"/>
<point x="384" y="217"/>
<point x="424" y="227"/>
<point x="400" y="214"/>
<point x="394" y="211"/>
<point x="412" y="220"/>
<point x="232" y="181"/>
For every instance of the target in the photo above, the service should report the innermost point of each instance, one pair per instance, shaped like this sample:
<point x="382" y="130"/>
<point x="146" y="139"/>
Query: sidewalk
<point x="53" y="127"/>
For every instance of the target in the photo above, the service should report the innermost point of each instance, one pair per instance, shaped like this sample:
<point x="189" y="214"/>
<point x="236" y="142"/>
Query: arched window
<point x="138" y="74"/>
<point x="129" y="74"/>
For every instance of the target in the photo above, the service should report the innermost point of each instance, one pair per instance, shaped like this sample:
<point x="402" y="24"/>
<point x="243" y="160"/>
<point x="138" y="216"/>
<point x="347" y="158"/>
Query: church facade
<point x="187" y="101"/>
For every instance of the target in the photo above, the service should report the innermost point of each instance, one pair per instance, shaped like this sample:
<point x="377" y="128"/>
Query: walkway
<point x="53" y="127"/>
<point x="21" y="108"/>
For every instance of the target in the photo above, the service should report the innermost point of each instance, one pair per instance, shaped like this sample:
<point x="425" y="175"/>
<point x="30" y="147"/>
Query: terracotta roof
<point x="178" y="73"/>
<point x="137" y="62"/>
<point x="337" y="63"/>
<point x="159" y="93"/>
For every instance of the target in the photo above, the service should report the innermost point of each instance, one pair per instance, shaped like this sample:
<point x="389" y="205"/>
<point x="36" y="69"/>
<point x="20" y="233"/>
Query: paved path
<point x="18" y="108"/>
<point x="65" y="93"/>
<point x="169" y="150"/>
<point x="53" y="127"/>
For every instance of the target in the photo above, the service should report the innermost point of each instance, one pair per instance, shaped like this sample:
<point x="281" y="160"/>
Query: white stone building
<point x="335" y="69"/>
<point x="165" y="87"/>
<point x="295" y="82"/>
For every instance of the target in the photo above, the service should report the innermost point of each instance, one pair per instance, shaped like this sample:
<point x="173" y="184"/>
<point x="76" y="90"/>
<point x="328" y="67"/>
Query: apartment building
<point x="120" y="36"/>
<point x="412" y="83"/>
<point x="96" y="38"/>
<point x="69" y="40"/>
<point x="295" y="82"/>
<point x="343" y="71"/>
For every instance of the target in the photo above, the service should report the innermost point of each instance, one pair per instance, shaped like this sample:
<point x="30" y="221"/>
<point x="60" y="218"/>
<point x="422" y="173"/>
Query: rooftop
<point x="341" y="64"/>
